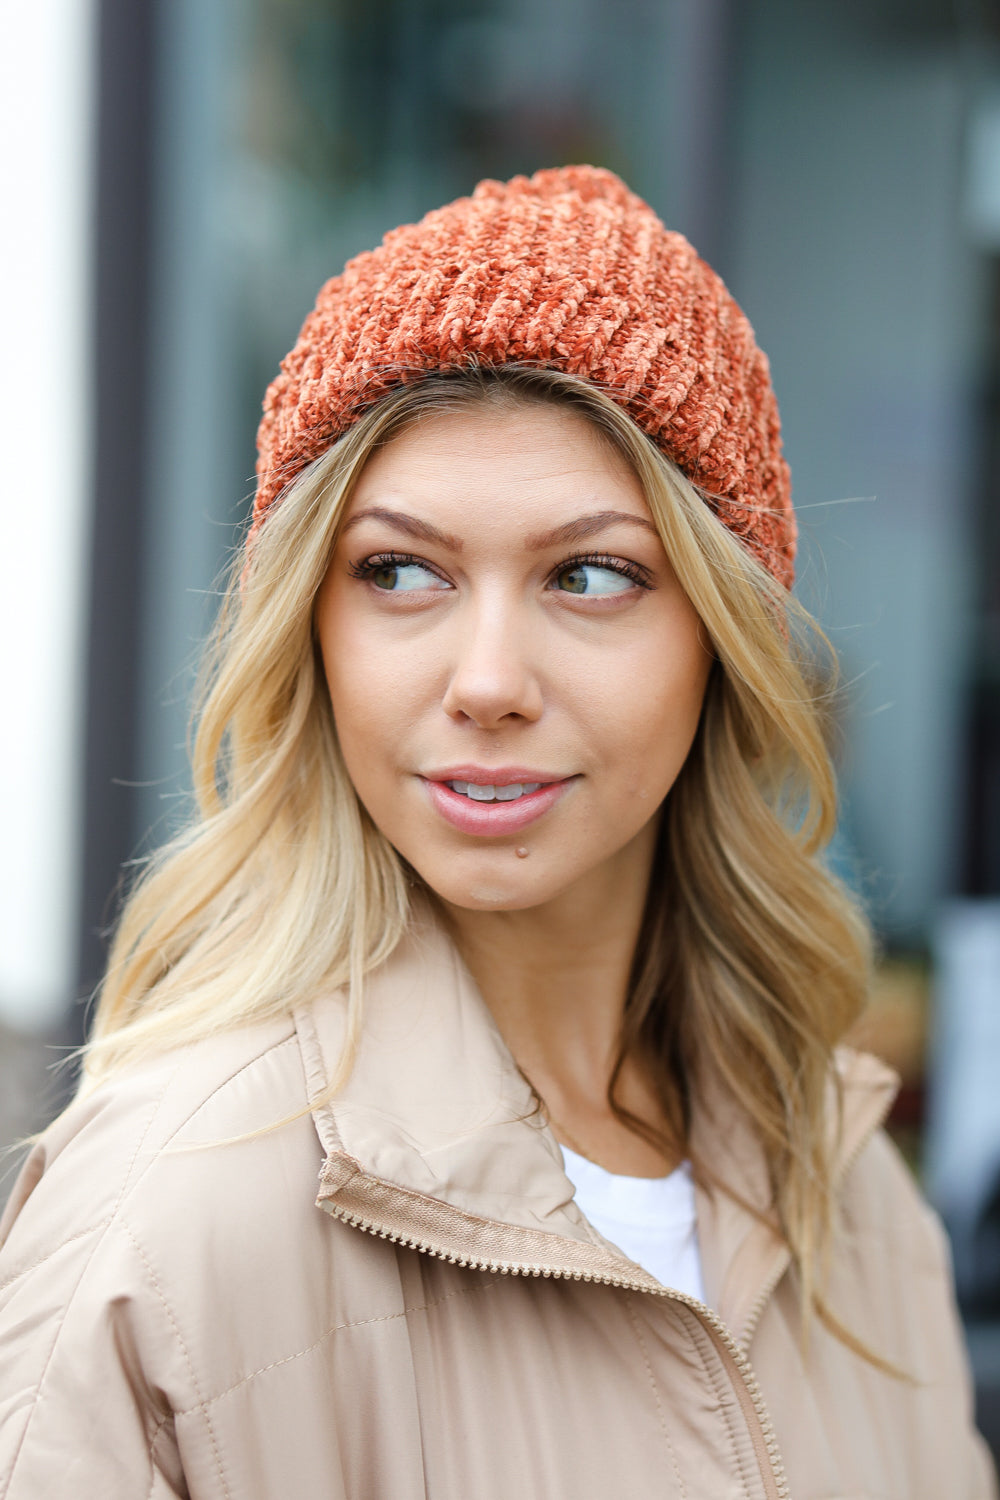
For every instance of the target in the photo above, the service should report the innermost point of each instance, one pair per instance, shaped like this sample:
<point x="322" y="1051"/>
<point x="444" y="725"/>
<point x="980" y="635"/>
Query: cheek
<point x="677" y="718"/>
<point x="644" y="714"/>
<point x="376" y="689"/>
<point x="355" y="675"/>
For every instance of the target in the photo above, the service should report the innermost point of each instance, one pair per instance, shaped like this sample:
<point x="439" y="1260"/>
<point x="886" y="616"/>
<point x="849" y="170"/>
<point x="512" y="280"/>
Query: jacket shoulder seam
<point x="271" y="1048"/>
<point x="128" y="1185"/>
<point x="115" y="1218"/>
<point x="81" y="1234"/>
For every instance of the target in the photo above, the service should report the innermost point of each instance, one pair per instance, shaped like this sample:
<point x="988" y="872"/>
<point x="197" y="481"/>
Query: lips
<point x="490" y="809"/>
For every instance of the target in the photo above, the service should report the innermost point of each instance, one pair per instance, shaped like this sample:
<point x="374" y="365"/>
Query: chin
<point x="486" y="899"/>
<point x="486" y="895"/>
<point x="488" y="890"/>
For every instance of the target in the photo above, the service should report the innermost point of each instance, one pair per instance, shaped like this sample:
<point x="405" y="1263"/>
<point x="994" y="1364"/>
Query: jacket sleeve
<point x="79" y="1415"/>
<point x="982" y="1476"/>
<point x="917" y="1258"/>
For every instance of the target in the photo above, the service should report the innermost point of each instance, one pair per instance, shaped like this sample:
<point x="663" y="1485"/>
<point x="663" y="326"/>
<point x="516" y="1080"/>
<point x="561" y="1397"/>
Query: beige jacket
<point x="180" y="1316"/>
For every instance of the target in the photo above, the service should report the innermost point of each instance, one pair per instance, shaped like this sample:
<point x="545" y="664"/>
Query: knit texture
<point x="566" y="269"/>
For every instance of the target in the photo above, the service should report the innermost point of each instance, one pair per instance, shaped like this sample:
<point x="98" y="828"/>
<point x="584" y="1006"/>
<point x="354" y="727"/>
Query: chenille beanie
<point x="566" y="269"/>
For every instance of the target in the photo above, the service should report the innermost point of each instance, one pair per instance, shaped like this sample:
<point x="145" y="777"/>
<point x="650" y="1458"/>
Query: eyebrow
<point x="581" y="529"/>
<point x="585" y="527"/>
<point x="421" y="531"/>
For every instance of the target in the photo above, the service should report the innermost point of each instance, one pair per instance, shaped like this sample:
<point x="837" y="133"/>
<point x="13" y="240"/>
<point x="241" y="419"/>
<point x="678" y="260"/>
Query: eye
<point x="594" y="579"/>
<point x="397" y="574"/>
<point x="401" y="576"/>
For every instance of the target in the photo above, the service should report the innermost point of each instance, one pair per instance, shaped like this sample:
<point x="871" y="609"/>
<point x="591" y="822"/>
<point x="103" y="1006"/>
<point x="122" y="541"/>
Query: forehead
<point x="524" y="460"/>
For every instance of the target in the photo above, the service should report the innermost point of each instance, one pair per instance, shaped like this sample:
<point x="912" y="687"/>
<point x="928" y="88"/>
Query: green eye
<point x="588" y="578"/>
<point x="400" y="577"/>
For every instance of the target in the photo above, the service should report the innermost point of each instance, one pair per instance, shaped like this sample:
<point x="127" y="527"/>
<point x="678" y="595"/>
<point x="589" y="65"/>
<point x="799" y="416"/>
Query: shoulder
<point x="163" y="1208"/>
<point x="163" y="1247"/>
<point x="877" y="1192"/>
<point x="883" y="1207"/>
<point x="890" y="1277"/>
<point x="155" y="1138"/>
<point x="879" y="1200"/>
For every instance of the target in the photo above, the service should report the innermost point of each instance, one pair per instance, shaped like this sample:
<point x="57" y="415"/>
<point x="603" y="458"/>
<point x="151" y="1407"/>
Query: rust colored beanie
<point x="566" y="269"/>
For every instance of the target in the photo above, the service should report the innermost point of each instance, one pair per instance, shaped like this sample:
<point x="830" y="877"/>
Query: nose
<point x="494" y="678"/>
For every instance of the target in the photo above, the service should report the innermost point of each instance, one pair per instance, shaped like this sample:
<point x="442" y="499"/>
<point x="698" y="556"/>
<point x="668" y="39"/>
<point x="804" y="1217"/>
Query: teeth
<point x="478" y="793"/>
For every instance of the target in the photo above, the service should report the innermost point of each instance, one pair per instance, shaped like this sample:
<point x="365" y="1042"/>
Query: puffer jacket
<point x="395" y="1296"/>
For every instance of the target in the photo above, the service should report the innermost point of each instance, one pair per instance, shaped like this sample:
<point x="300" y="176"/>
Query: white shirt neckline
<point x="652" y="1220"/>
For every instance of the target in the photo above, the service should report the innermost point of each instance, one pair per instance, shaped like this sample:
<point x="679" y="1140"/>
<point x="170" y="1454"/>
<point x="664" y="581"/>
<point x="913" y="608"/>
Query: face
<point x="515" y="673"/>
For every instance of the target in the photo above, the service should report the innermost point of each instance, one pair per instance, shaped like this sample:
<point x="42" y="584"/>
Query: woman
<point x="504" y="917"/>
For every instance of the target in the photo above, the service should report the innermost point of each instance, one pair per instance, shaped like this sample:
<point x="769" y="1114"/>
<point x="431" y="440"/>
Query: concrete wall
<point x="850" y="257"/>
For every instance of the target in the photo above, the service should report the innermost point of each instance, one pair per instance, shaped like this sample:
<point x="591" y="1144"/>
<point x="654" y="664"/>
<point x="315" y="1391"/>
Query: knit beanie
<point x="567" y="270"/>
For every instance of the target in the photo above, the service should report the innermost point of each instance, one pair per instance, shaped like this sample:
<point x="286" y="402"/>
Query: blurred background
<point x="181" y="175"/>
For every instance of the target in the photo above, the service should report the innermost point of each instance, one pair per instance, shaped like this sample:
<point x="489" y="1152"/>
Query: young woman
<point x="462" y="1117"/>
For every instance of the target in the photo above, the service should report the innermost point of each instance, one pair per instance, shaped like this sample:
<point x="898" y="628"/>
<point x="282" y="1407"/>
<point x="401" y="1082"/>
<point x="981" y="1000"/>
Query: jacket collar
<point x="436" y="1140"/>
<point x="743" y="1256"/>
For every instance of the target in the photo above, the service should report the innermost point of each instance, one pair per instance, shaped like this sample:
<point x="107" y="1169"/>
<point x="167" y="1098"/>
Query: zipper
<point x="745" y="1382"/>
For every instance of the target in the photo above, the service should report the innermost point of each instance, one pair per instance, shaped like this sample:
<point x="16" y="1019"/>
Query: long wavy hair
<point x="752" y="957"/>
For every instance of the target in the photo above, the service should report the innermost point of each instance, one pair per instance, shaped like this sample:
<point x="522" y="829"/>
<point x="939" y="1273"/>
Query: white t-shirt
<point x="651" y="1219"/>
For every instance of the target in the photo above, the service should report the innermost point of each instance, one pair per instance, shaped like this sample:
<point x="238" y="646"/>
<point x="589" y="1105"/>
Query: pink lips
<point x="493" y="819"/>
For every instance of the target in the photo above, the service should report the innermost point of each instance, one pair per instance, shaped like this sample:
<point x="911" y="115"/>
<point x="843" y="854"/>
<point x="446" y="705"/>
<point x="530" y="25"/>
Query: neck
<point x="556" y="979"/>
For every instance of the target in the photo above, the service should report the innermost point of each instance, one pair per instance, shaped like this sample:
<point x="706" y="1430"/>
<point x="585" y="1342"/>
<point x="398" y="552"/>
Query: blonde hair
<point x="753" y="961"/>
